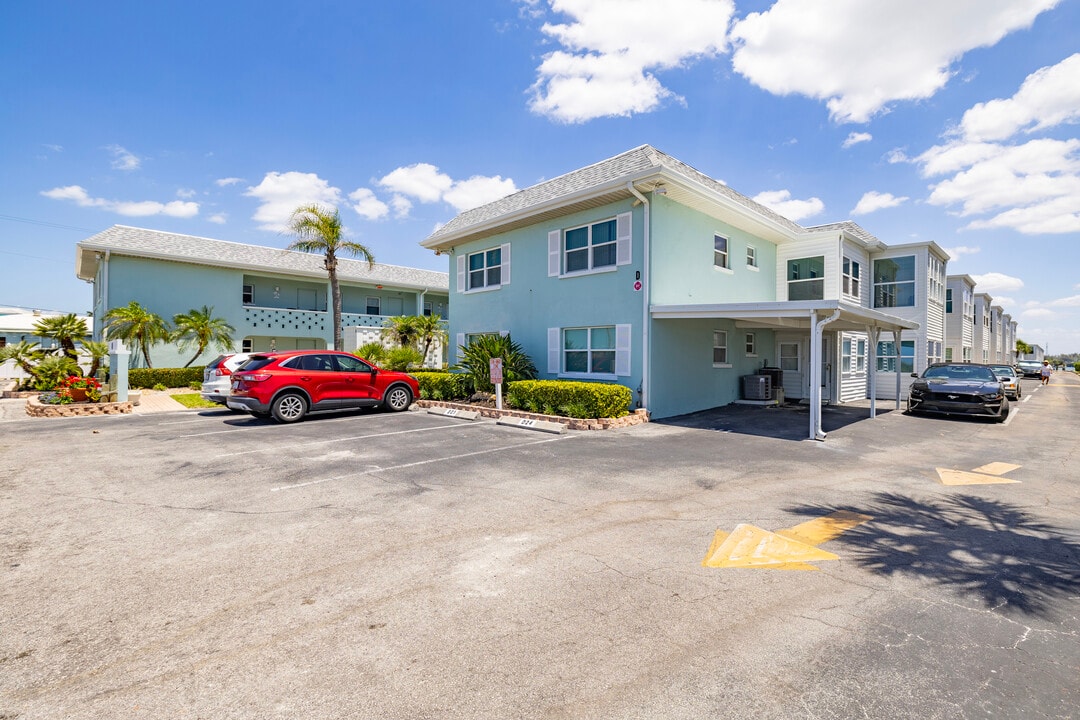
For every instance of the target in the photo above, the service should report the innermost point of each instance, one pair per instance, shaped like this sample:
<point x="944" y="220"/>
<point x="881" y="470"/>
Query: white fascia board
<point x="781" y="309"/>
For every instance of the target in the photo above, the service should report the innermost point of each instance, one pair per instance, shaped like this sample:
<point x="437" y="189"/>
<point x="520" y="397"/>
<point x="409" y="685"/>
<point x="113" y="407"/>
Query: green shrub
<point x="373" y="352"/>
<point x="476" y="357"/>
<point x="438" y="385"/>
<point x="169" y="377"/>
<point x="403" y="358"/>
<point x="570" y="399"/>
<point x="52" y="369"/>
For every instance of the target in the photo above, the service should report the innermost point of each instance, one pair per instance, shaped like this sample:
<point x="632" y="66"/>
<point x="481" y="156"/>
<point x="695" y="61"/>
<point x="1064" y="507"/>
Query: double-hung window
<point x="594" y="247"/>
<point x="374" y="306"/>
<point x="806" y="278"/>
<point x="948" y="300"/>
<point x="751" y="256"/>
<point x="596" y="352"/>
<point x="719" y="347"/>
<point x="248" y="295"/>
<point x="488" y="269"/>
<point x="751" y="345"/>
<point x="720" y="252"/>
<point x="851" y="278"/>
<point x="886" y="356"/>
<point x="894" y="282"/>
<point x="853" y="356"/>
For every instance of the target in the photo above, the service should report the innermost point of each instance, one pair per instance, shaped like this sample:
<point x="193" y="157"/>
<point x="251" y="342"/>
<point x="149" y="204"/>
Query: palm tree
<point x="429" y="329"/>
<point x="97" y="351"/>
<point x="138" y="326"/>
<point x="401" y="329"/>
<point x="318" y="230"/>
<point x="201" y="328"/>
<point x="65" y="329"/>
<point x="1022" y="348"/>
<point x="25" y="354"/>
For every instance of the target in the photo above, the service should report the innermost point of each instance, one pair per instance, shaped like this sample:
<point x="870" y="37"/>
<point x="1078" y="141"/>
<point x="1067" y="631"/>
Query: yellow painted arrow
<point x="749" y="546"/>
<point x="989" y="474"/>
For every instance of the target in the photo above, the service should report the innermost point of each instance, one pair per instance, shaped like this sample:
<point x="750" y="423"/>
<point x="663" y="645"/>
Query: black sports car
<point x="958" y="389"/>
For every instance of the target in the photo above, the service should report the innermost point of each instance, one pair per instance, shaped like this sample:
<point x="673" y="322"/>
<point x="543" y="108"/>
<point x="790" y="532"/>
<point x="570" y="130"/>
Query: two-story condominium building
<point x="274" y="299"/>
<point x="983" y="324"/>
<point x="959" y="318"/>
<point x="644" y="271"/>
<point x="1009" y="331"/>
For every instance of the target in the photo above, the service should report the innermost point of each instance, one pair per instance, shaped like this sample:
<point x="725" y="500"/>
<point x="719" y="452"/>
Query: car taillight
<point x="222" y="371"/>
<point x="255" y="377"/>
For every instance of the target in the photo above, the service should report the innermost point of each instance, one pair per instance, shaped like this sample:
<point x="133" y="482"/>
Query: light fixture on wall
<point x="277" y="292"/>
<point x="660" y="190"/>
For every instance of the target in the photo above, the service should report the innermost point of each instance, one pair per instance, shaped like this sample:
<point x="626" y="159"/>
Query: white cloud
<point x="1037" y="313"/>
<point x="895" y="156"/>
<point x="995" y="281"/>
<point x="422" y="181"/>
<point x="960" y="250"/>
<point x="401" y="205"/>
<point x="225" y="182"/>
<point x="122" y="159"/>
<point x="780" y="201"/>
<point x="1004" y="301"/>
<point x="281" y="193"/>
<point x="611" y="47"/>
<point x="1073" y="301"/>
<point x="873" y="201"/>
<point x="185" y="193"/>
<point x="367" y="205"/>
<point x="860" y="56"/>
<point x="477" y="191"/>
<point x="1049" y="96"/>
<point x="55" y="148"/>
<point x="218" y="218"/>
<point x="144" y="208"/>
<point x="855" y="138"/>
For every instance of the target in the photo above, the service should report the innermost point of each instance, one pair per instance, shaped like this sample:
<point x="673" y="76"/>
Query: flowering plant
<point x="89" y="384"/>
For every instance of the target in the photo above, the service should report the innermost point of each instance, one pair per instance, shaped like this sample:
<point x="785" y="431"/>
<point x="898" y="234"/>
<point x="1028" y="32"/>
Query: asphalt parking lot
<point x="210" y="565"/>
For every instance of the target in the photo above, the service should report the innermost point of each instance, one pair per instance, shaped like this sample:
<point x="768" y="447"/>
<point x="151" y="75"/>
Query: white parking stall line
<point x="1026" y="397"/>
<point x="421" y="462"/>
<point x="1009" y="419"/>
<point x="178" y="422"/>
<point x="280" y="448"/>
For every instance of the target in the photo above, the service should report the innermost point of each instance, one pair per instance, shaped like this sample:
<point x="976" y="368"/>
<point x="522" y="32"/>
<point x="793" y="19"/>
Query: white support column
<point x="896" y="347"/>
<point x="872" y="335"/>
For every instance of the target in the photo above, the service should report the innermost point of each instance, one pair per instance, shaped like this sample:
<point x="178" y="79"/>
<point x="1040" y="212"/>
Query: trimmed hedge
<point x="169" y="377"/>
<point x="438" y="385"/>
<point x="570" y="399"/>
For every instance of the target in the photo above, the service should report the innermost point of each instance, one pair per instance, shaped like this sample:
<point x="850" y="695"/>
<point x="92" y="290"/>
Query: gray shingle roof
<point x="140" y="242"/>
<point x="853" y="228"/>
<point x="640" y="161"/>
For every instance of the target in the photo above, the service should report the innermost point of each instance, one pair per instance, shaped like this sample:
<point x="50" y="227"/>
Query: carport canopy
<point x="811" y="316"/>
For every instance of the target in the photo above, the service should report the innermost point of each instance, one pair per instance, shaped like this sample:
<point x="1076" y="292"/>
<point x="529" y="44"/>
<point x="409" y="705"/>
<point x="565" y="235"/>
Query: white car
<point x="217" y="377"/>
<point x="1010" y="380"/>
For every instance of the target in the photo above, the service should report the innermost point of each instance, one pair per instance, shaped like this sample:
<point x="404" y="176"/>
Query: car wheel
<point x="398" y="398"/>
<point x="1018" y="391"/>
<point x="1004" y="414"/>
<point x="289" y="407"/>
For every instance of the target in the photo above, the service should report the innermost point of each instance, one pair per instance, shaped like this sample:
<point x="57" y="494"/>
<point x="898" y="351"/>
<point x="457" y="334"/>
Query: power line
<point x="35" y="257"/>
<point x="43" y="223"/>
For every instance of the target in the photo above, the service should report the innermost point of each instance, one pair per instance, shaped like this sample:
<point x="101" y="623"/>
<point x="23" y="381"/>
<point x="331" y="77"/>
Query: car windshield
<point x="960" y="372"/>
<point x="1004" y="370"/>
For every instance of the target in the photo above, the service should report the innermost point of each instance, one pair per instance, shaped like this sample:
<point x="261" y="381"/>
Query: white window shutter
<point x="554" y="351"/>
<point x="624" y="239"/>
<point x="505" y="273"/>
<point x="554" y="252"/>
<point x="622" y="350"/>
<point x="461" y="273"/>
<point x="460" y="344"/>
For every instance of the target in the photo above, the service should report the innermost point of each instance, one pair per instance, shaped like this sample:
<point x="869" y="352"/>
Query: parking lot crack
<point x="196" y="508"/>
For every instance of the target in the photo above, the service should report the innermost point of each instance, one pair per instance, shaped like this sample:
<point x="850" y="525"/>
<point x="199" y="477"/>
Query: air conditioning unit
<point x="757" y="387"/>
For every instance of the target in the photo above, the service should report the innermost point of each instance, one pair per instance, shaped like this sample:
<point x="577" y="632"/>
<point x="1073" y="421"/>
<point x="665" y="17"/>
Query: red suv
<point x="289" y="385"/>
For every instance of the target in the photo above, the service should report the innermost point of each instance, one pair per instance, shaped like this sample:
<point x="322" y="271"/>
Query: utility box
<point x="757" y="387"/>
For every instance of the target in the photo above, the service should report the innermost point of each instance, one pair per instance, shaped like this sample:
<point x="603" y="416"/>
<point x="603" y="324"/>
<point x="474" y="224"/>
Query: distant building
<point x="275" y="299"/>
<point x="17" y="325"/>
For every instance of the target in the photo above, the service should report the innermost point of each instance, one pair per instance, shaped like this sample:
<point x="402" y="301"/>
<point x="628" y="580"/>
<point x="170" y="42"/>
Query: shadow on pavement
<point x="785" y="422"/>
<point x="972" y="545"/>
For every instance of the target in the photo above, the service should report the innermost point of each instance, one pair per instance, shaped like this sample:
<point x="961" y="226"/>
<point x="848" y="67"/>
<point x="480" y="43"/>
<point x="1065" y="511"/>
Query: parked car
<point x="217" y="377"/>
<point x="958" y="389"/>
<point x="1010" y="380"/>
<point x="1029" y="368"/>
<point x="289" y="385"/>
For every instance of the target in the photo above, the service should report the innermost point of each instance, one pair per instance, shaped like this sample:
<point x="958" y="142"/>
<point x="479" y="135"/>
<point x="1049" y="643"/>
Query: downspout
<point x="104" y="296"/>
<point x="646" y="291"/>
<point x="816" y="433"/>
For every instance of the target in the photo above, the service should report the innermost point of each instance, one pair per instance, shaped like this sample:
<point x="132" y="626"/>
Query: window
<point x="886" y="356"/>
<point x="948" y="300"/>
<point x="851" y="277"/>
<point x="427" y="308"/>
<point x="348" y="363"/>
<point x="719" y="347"/>
<point x="845" y="357"/>
<point x="751" y="256"/>
<point x="590" y="247"/>
<point x="248" y="294"/>
<point x="720" y="251"/>
<point x="933" y="351"/>
<point x="589" y="351"/>
<point x="806" y="278"/>
<point x="597" y="246"/>
<point x="948" y="354"/>
<point x="374" y="306"/>
<point x="936" y="289"/>
<point x="860" y="356"/>
<point x="245" y="345"/>
<point x="789" y="357"/>
<point x="485" y="268"/>
<point x="751" y="345"/>
<point x="853" y="356"/>
<point x="894" y="282"/>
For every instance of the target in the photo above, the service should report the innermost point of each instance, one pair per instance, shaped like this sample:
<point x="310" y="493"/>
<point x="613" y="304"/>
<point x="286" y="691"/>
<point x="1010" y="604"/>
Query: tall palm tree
<point x="138" y="326"/>
<point x="201" y="328"/>
<point x="65" y="329"/>
<point x="97" y="351"/>
<point x="318" y="230"/>
<point x="429" y="328"/>
<point x="401" y="329"/>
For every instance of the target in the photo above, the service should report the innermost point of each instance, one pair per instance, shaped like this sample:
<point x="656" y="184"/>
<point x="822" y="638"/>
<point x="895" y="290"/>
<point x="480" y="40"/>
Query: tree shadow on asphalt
<point x="974" y="546"/>
<point x="790" y="421"/>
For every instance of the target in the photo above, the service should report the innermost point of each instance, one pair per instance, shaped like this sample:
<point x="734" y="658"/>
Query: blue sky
<point x="920" y="120"/>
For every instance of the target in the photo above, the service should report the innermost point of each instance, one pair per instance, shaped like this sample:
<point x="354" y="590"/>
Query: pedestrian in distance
<point x="1045" y="372"/>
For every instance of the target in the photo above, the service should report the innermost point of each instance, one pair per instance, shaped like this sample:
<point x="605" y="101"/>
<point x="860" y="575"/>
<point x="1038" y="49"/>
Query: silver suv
<point x="217" y="377"/>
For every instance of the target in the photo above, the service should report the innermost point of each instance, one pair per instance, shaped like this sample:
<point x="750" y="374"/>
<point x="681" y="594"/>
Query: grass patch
<point x="194" y="400"/>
